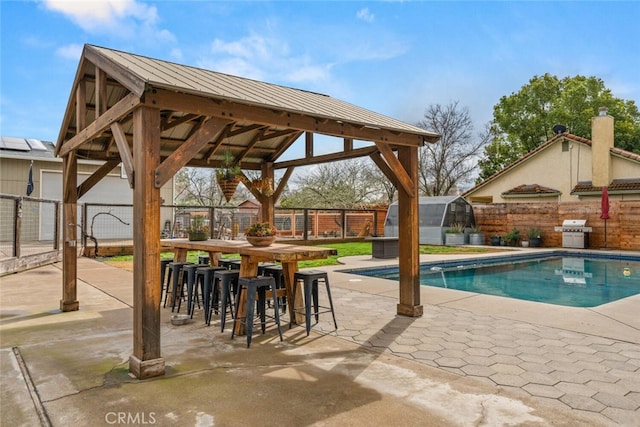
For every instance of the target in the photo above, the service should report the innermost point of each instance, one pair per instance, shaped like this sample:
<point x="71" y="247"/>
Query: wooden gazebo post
<point x="146" y="361"/>
<point x="69" y="301"/>
<point x="408" y="233"/>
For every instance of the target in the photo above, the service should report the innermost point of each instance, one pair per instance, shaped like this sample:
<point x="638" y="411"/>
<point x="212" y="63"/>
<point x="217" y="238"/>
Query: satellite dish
<point x="558" y="129"/>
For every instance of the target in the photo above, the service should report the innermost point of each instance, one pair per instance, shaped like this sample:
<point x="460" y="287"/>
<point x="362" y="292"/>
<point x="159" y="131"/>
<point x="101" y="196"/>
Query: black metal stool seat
<point x="225" y="283"/>
<point x="262" y="266"/>
<point x="204" y="278"/>
<point x="226" y="263"/>
<point x="253" y="286"/>
<point x="204" y="259"/>
<point x="309" y="279"/>
<point x="175" y="270"/>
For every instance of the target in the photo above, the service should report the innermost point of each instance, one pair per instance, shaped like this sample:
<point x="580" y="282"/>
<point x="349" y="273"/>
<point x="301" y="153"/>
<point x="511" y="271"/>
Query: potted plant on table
<point x="535" y="237"/>
<point x="260" y="234"/>
<point x="197" y="230"/>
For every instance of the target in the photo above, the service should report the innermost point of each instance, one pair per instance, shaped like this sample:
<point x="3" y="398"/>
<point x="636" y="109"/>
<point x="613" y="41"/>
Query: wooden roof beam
<point x="166" y="124"/>
<point x="283" y="183"/>
<point x="285" y="145"/>
<point x="125" y="152"/>
<point x="97" y="176"/>
<point x="326" y="158"/>
<point x="402" y="177"/>
<point x="216" y="144"/>
<point x="165" y="99"/>
<point x="95" y="128"/>
<point x="209" y="130"/>
<point x="252" y="143"/>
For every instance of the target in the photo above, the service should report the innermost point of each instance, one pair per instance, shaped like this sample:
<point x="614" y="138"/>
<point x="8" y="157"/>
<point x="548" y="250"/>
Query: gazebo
<point x="156" y="117"/>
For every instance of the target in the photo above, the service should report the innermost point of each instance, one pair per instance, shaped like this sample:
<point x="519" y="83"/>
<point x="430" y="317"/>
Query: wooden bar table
<point x="287" y="254"/>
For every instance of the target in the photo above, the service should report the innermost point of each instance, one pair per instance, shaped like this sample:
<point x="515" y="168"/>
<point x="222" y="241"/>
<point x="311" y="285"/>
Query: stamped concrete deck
<point x="470" y="360"/>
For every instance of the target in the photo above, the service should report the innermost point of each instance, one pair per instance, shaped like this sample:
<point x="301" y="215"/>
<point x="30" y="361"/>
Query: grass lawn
<point x="344" y="249"/>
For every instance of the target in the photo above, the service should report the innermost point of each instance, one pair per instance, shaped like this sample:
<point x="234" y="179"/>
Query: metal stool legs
<point x="309" y="279"/>
<point x="256" y="286"/>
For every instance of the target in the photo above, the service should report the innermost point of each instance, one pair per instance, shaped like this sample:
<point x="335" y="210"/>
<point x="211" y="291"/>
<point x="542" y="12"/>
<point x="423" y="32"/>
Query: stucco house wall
<point x="567" y="168"/>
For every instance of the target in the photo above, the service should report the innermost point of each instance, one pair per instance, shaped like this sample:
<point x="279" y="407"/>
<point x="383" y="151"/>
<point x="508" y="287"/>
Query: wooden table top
<point x="276" y="252"/>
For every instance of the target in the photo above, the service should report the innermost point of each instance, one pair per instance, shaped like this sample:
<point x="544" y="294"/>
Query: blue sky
<point x="393" y="57"/>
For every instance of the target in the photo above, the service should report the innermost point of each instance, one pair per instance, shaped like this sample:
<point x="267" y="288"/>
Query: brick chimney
<point x="601" y="142"/>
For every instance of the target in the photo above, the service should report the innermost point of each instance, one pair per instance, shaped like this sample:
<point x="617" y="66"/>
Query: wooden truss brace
<point x="125" y="153"/>
<point x="395" y="168"/>
<point x="210" y="130"/>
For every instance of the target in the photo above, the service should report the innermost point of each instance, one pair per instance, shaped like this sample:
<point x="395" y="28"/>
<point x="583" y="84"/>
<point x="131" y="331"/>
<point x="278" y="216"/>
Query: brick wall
<point x="623" y="228"/>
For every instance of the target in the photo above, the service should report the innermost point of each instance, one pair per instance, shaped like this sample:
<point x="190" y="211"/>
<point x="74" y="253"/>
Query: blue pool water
<point x="560" y="278"/>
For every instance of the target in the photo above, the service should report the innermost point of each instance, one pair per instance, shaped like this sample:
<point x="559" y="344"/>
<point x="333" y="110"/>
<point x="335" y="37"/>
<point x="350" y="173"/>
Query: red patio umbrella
<point x="604" y="207"/>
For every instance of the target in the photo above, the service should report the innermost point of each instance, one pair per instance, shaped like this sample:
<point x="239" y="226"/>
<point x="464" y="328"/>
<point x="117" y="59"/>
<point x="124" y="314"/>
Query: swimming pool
<point x="561" y="278"/>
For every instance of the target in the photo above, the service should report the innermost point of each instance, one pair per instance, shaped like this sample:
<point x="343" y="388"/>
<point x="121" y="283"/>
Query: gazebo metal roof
<point x="262" y="120"/>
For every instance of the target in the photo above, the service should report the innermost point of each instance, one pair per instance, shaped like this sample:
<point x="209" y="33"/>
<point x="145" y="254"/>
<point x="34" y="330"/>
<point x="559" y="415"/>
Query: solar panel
<point x="10" y="143"/>
<point x="36" y="144"/>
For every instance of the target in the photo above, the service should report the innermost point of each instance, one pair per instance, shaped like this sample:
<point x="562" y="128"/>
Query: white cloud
<point x="72" y="51"/>
<point x="123" y="18"/>
<point x="263" y="58"/>
<point x="365" y="15"/>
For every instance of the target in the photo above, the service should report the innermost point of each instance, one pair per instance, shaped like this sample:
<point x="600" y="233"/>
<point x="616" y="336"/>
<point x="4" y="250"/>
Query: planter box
<point x="476" y="239"/>
<point x="454" y="239"/>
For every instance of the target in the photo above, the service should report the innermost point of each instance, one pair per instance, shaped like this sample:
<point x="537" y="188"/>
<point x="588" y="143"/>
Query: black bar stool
<point x="175" y="269"/>
<point x="204" y="278"/>
<point x="256" y="286"/>
<point x="225" y="282"/>
<point x="310" y="279"/>
<point x="275" y="271"/>
<point x="262" y="266"/>
<point x="204" y="259"/>
<point x="164" y="286"/>
<point x="189" y="279"/>
<point x="226" y="263"/>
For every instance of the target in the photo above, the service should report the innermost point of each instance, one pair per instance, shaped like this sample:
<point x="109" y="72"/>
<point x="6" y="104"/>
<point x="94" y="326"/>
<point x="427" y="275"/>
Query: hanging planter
<point x="228" y="185"/>
<point x="228" y="176"/>
<point x="262" y="186"/>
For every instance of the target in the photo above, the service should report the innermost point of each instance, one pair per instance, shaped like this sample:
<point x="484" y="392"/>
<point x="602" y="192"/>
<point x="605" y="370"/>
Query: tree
<point x="525" y="119"/>
<point x="449" y="163"/>
<point x="347" y="184"/>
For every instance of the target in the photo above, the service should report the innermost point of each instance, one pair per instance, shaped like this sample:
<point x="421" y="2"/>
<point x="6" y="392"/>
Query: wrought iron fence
<point x="114" y="222"/>
<point x="30" y="227"/>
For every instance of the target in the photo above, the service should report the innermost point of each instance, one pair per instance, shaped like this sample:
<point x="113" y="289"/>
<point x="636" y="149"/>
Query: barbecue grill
<point x="575" y="233"/>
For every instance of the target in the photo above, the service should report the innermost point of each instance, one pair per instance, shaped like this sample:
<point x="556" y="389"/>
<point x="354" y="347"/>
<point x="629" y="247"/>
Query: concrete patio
<point x="470" y="360"/>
